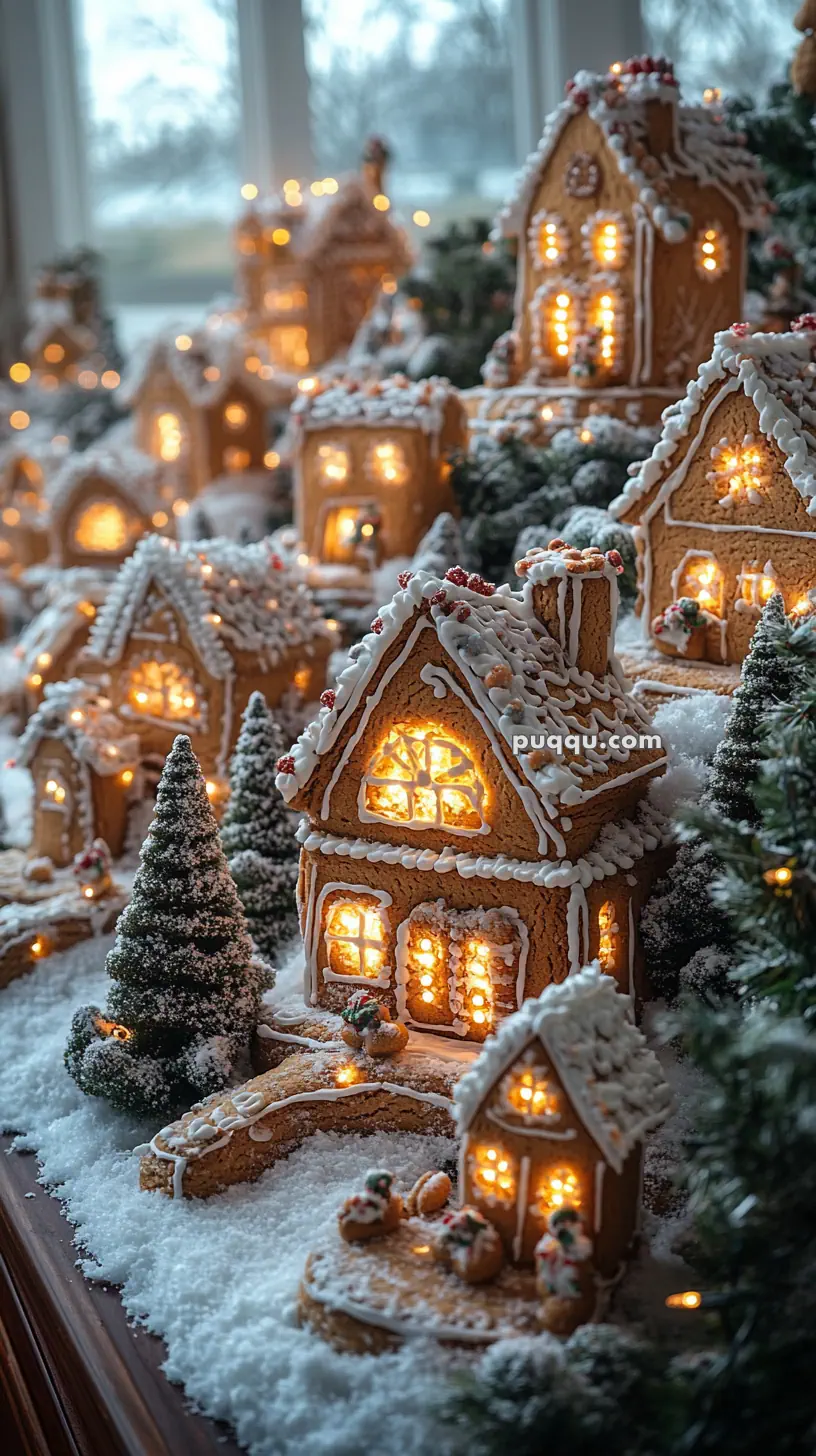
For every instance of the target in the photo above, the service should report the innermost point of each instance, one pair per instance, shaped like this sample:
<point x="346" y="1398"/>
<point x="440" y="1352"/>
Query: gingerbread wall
<point x="694" y="506"/>
<point x="57" y="832"/>
<point x="248" y="438"/>
<point x="160" y="394"/>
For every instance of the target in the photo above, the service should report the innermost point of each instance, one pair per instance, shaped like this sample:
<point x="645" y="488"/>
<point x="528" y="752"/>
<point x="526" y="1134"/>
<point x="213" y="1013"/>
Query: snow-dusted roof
<point x="586" y="1027"/>
<point x="137" y="476"/>
<point x="85" y="722"/>
<point x="705" y="149"/>
<point x="68" y="597"/>
<point x="777" y="372"/>
<point x="394" y="402"/>
<point x="214" y="363"/>
<point x="53" y="315"/>
<point x="519" y="676"/>
<point x="319" y="223"/>
<point x="231" y="598"/>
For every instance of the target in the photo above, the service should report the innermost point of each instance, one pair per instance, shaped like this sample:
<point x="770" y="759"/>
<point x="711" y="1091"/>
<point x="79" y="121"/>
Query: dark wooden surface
<point x="75" y="1378"/>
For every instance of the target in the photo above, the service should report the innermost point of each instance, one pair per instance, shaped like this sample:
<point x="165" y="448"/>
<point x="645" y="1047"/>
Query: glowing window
<point x="333" y="464"/>
<point x="559" y="1188"/>
<point x="235" y="415"/>
<point x="386" y="463"/>
<point x="284" y="300"/>
<point x="549" y="239"/>
<point x="527" y="1092"/>
<point x="289" y="346"/>
<point x="608" y="937"/>
<point x="55" y="791"/>
<point x="460" y="968"/>
<point x="755" y="586"/>
<point x="493" y="1172"/>
<point x="163" y="690"/>
<point x="701" y="577"/>
<point x="355" y="939"/>
<point x="235" y="458"/>
<point x="604" y="314"/>
<point x="555" y="323"/>
<point x="606" y="240"/>
<point x="740" y="472"/>
<point x="711" y="252"/>
<point x="169" y="437"/>
<point x="423" y="779"/>
<point x="427" y="974"/>
<point x="103" y="527"/>
<point x="350" y="531"/>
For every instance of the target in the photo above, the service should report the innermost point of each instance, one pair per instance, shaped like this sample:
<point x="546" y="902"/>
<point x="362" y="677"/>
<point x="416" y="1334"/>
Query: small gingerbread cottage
<point x="473" y="799"/>
<point x="50" y="646"/>
<point x="723" y="511"/>
<point x="200" y="406"/>
<point x="553" y="1114"/>
<point x="67" y="329"/>
<point x="101" y="502"/>
<point x="371" y="465"/>
<point x="310" y="268"/>
<point x="84" y="763"/>
<point x="188" y="633"/>
<point x="631" y="220"/>
<point x="26" y="465"/>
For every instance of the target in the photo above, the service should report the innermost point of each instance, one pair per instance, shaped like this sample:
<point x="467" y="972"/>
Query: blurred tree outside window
<point x="742" y="46"/>
<point x="161" y="101"/>
<point x="433" y="79"/>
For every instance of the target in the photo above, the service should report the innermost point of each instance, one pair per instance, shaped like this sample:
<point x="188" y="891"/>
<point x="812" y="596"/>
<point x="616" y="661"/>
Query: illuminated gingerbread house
<point x="631" y="220"/>
<point x="101" y="502"/>
<point x="371" y="465"/>
<point x="723" y="511"/>
<point x="311" y="266"/>
<point x="451" y="858"/>
<point x="84" y="763"/>
<point x="188" y="633"/>
<point x="26" y="465"/>
<point x="200" y="407"/>
<point x="68" y="333"/>
<point x="49" y="648"/>
<point x="553" y="1115"/>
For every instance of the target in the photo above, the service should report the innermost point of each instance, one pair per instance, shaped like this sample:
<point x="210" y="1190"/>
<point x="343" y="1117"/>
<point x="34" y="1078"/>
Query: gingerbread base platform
<point x="658" y="678"/>
<point x="538" y="411"/>
<point x="368" y="1298"/>
<point x="29" y="933"/>
<point x="234" y="1136"/>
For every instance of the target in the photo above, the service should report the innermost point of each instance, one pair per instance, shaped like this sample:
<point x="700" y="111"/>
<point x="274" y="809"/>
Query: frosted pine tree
<point x="257" y="832"/>
<point x="185" y="987"/>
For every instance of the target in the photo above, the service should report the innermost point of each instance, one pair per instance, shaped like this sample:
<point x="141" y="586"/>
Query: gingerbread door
<point x="460" y="971"/>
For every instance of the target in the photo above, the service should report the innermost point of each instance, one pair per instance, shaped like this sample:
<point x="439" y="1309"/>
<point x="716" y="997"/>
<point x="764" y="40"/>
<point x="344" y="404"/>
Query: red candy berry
<point x="276" y="561"/>
<point x="286" y="765"/>
<point x="477" y="583"/>
<point x="805" y="323"/>
<point x="463" y="612"/>
<point x="457" y="575"/>
<point x="741" y="329"/>
<point x="377" y="625"/>
<point x="615" y="559"/>
<point x="328" y="698"/>
<point x="439" y="598"/>
<point x="404" y="578"/>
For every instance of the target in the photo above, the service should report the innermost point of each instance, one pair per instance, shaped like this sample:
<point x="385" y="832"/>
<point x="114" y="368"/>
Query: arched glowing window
<point x="386" y="463"/>
<point x="527" y="1092"/>
<point x="755" y="586"/>
<point x="606" y="239"/>
<point x="289" y="346"/>
<point x="549" y="239"/>
<point x="103" y="527"/>
<point x="333" y="464"/>
<point x="711" y="252"/>
<point x="604" y="313"/>
<point x="235" y="415"/>
<point x="701" y="577"/>
<point x="427" y="965"/>
<point x="555" y="323"/>
<point x="163" y="690"/>
<point x="608" y="937"/>
<point x="494" y="1174"/>
<point x="355" y="939"/>
<point x="168" y="436"/>
<point x="740" y="472"/>
<point x="560" y="1187"/>
<point x="422" y="778"/>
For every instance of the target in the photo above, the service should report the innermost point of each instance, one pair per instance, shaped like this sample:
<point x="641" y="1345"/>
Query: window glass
<point x="161" y="109"/>
<point x="742" y="49"/>
<point x="433" y="80"/>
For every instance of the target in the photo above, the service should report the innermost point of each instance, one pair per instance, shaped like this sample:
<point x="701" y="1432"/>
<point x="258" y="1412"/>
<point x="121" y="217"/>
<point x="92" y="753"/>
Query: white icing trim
<point x="600" y="1170"/>
<point x="460" y="1335"/>
<point x="521" y="1206"/>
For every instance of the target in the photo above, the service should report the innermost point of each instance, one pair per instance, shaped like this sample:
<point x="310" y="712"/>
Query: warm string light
<point x="235" y="415"/>
<point x="381" y="202"/>
<point x="19" y="373"/>
<point x="689" y="1299"/>
<point x="387" y="463"/>
<point x="170" y="437"/>
<point x="702" y="580"/>
<point x="607" y="928"/>
<point x="55" y="791"/>
<point x="561" y="324"/>
<point x="333" y="464"/>
<point x="711" y="252"/>
<point x="779" y="878"/>
<point x="606" y="244"/>
<point x="478" y="984"/>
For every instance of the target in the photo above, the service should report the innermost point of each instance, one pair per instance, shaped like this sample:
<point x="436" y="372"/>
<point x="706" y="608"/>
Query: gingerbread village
<point x="456" y="810"/>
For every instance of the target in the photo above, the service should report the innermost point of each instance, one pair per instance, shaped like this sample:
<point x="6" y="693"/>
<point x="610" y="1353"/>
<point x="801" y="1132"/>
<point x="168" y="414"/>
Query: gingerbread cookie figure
<point x="469" y="1245"/>
<point x="375" y="1211"/>
<point x="564" y="1273"/>
<point x="367" y="1026"/>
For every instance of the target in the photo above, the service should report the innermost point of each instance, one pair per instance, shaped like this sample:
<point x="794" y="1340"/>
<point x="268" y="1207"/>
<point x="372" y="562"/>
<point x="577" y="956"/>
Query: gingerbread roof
<point x="71" y="596"/>
<point x="213" y="364"/>
<point x="339" y="219"/>
<point x="231" y="598"/>
<point x="519" y="677"/>
<point x="777" y="372"/>
<point x="135" y="475"/>
<point x="704" y="150"/>
<point x="613" y="1080"/>
<point x="84" y="721"/>
<point x="396" y="402"/>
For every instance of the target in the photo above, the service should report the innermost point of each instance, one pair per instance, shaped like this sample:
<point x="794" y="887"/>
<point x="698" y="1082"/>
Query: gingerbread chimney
<point x="575" y="595"/>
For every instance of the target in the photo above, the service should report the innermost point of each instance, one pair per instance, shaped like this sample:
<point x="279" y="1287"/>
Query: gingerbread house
<point x="553" y="1115"/>
<point x="49" y="648"/>
<point x="67" y="329"/>
<point x="473" y="797"/>
<point x="26" y="465"/>
<point x="200" y="406"/>
<point x="631" y="220"/>
<point x="371" y="465"/>
<point x="84" y="763"/>
<point x="310" y="267"/>
<point x="187" y="633"/>
<point x="723" y="511"/>
<point x="101" y="502"/>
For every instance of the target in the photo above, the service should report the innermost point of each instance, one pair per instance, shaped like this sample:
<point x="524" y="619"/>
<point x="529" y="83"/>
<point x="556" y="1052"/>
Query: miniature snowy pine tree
<point x="769" y="675"/>
<point x="257" y="832"/>
<point x="186" y="990"/>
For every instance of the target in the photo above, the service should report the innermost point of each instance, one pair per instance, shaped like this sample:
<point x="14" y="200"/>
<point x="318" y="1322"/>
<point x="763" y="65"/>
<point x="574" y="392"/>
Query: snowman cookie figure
<point x="564" y="1273"/>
